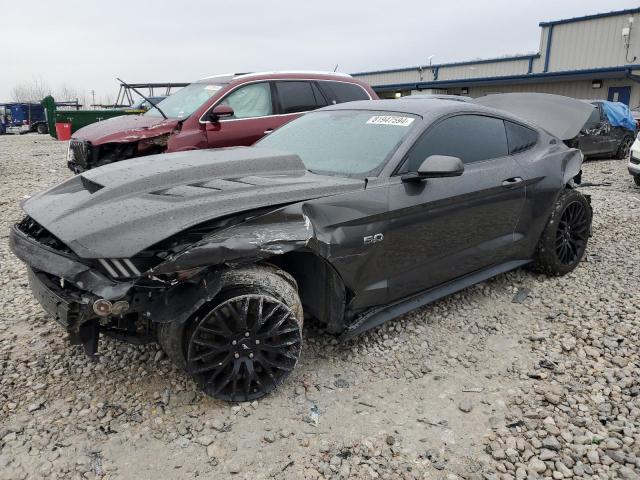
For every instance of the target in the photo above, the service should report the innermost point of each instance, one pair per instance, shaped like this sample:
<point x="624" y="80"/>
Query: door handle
<point x="512" y="182"/>
<point x="268" y="131"/>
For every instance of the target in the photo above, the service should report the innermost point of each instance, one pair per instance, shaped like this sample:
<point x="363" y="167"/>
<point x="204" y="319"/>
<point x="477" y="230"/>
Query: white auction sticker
<point x="391" y="120"/>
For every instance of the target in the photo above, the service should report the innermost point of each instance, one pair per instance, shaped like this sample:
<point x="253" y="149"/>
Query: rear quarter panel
<point x="548" y="168"/>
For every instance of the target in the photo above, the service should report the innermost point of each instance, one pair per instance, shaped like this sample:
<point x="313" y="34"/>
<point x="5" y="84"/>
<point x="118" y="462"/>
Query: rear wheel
<point x="625" y="148"/>
<point x="244" y="343"/>
<point x="42" y="128"/>
<point x="564" y="239"/>
<point x="637" y="180"/>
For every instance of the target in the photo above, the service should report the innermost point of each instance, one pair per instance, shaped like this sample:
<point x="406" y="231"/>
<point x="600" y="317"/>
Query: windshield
<point x="186" y="100"/>
<point x="354" y="143"/>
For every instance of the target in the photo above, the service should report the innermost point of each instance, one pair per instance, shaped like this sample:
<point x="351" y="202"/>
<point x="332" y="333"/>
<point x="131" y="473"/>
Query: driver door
<point x="445" y="228"/>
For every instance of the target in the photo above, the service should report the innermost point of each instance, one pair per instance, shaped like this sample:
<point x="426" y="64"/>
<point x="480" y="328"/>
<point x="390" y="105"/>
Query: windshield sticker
<point x="213" y="88"/>
<point x="391" y="120"/>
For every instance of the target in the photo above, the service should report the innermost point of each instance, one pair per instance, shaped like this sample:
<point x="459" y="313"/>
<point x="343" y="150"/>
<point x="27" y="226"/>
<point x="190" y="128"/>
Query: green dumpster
<point x="78" y="118"/>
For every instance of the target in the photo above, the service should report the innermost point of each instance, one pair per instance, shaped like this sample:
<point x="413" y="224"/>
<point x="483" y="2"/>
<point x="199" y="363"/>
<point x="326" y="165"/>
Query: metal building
<point x="591" y="57"/>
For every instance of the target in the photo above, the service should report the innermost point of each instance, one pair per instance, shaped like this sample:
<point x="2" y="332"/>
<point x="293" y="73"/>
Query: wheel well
<point x="321" y="290"/>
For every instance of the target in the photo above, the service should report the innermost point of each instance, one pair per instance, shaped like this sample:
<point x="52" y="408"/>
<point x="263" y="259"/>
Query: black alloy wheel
<point x="572" y="233"/>
<point x="244" y="347"/>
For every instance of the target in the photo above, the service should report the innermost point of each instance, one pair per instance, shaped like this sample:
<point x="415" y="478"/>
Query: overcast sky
<point x="86" y="44"/>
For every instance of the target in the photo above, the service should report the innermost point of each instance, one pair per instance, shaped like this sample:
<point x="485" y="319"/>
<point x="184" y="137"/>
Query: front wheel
<point x="244" y="343"/>
<point x="564" y="239"/>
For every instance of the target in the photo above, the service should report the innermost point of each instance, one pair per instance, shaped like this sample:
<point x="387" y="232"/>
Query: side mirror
<point x="436" y="166"/>
<point x="218" y="112"/>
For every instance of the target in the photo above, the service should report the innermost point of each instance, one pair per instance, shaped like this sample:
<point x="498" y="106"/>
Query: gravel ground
<point x="474" y="386"/>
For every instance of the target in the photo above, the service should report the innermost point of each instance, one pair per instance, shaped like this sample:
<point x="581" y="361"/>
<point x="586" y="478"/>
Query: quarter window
<point x="339" y="92"/>
<point x="472" y="138"/>
<point x="253" y="100"/>
<point x="520" y="138"/>
<point x="298" y="97"/>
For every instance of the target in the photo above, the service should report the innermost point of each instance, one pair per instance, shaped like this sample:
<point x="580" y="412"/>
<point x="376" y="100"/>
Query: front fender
<point x="275" y="233"/>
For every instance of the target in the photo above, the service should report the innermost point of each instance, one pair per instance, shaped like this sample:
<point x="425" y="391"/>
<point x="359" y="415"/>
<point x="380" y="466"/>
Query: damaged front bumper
<point x="70" y="311"/>
<point x="41" y="258"/>
<point x="67" y="288"/>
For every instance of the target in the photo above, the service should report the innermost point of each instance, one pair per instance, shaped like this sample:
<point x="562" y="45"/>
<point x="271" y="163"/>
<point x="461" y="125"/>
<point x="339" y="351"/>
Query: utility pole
<point x="93" y="99"/>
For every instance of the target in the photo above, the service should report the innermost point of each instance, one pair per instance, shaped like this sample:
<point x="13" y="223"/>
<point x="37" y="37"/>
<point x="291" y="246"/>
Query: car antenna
<point x="336" y="68"/>
<point x="148" y="100"/>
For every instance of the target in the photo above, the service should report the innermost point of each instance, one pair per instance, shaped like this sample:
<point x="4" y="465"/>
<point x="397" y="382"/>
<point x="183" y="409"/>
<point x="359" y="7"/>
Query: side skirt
<point x="378" y="316"/>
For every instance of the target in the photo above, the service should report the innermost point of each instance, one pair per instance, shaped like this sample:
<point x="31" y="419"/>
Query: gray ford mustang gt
<point x="349" y="216"/>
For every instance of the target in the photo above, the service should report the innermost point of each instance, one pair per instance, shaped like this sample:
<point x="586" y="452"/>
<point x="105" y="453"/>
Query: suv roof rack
<point x="226" y="77"/>
<point x="280" y="72"/>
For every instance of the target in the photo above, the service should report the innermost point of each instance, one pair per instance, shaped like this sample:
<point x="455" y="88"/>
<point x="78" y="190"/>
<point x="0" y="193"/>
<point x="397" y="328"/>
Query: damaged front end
<point x="82" y="155"/>
<point x="87" y="301"/>
<point x="127" y="298"/>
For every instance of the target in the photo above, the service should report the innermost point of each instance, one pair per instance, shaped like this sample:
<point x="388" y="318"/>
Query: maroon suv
<point x="219" y="111"/>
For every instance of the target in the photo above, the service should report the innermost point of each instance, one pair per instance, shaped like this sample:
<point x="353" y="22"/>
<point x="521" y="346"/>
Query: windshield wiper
<point x="148" y="100"/>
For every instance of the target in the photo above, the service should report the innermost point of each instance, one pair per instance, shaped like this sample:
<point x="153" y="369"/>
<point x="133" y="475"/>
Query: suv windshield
<point x="354" y="143"/>
<point x="186" y="100"/>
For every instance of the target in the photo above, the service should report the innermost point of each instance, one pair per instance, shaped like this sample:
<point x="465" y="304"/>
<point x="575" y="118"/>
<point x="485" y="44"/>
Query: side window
<point x="520" y="138"/>
<point x="298" y="96"/>
<point x="339" y="92"/>
<point x="472" y="138"/>
<point x="603" y="116"/>
<point x="253" y="100"/>
<point x="593" y="121"/>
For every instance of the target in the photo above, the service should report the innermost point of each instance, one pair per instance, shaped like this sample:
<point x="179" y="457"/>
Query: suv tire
<point x="246" y="341"/>
<point x="564" y="239"/>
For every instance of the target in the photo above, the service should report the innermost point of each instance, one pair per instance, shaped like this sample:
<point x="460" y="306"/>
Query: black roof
<point x="425" y="107"/>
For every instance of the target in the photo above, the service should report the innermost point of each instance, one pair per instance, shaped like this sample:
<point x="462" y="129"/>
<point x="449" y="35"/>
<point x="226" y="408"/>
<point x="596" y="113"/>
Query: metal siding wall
<point x="481" y="70"/>
<point x="578" y="89"/>
<point x="391" y="78"/>
<point x="592" y="44"/>
<point x="596" y="43"/>
<point x="477" y="70"/>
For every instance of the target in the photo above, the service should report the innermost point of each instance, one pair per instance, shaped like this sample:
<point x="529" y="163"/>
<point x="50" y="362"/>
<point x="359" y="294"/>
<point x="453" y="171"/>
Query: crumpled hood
<point x="117" y="210"/>
<point x="127" y="128"/>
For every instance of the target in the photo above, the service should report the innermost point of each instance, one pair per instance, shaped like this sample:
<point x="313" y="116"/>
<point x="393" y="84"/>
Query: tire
<point x="564" y="239"/>
<point x="245" y="342"/>
<point x="42" y="129"/>
<point x="625" y="148"/>
<point x="636" y="179"/>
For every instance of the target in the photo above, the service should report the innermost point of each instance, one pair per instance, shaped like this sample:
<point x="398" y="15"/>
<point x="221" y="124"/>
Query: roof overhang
<point x="569" y="75"/>
<point x="629" y="11"/>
